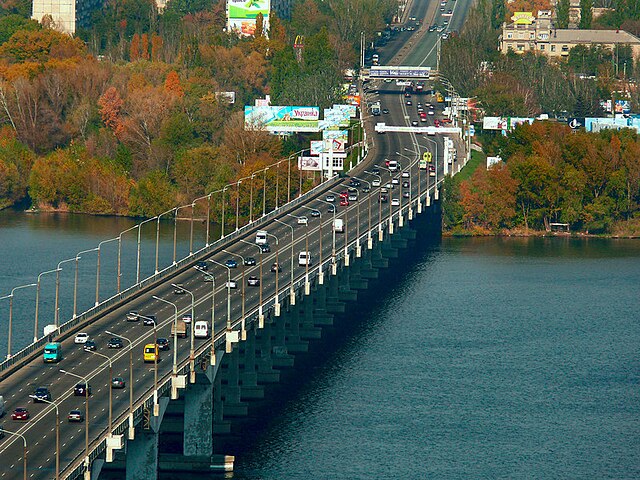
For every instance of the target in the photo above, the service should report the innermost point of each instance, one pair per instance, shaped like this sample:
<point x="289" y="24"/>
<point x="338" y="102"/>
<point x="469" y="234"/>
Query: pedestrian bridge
<point x="195" y="394"/>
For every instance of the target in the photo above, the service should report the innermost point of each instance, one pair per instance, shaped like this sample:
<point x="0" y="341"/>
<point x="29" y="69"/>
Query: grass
<point x="478" y="159"/>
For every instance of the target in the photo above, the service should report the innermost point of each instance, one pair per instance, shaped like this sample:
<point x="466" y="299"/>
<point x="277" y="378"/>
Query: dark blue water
<point x="495" y="358"/>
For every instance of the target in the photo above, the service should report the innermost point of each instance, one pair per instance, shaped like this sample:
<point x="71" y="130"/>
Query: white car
<point x="302" y="220"/>
<point x="375" y="183"/>
<point x="231" y="284"/>
<point x="81" y="338"/>
<point x="431" y="112"/>
<point x="395" y="202"/>
<point x="405" y="174"/>
<point x="395" y="181"/>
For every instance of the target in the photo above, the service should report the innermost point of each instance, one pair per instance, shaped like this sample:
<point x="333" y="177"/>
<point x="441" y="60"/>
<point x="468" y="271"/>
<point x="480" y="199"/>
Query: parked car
<point x="405" y="194"/>
<point x="384" y="198"/>
<point x="331" y="209"/>
<point x="405" y="184"/>
<point x="117" y="382"/>
<point x="115" y="342"/>
<point x="75" y="416"/>
<point x="41" y="394"/>
<point x="90" y="346"/>
<point x="249" y="261"/>
<point x="432" y="171"/>
<point x="162" y="343"/>
<point x="253" y="281"/>
<point x="81" y="338"/>
<point x="20" y="413"/>
<point x="231" y="263"/>
<point x="375" y="182"/>
<point x="82" y="389"/>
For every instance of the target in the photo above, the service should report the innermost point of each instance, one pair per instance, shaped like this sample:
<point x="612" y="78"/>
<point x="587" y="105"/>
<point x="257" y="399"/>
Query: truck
<point x="375" y="108"/>
<point x="52" y="352"/>
<point x="181" y="330"/>
<point x="338" y="225"/>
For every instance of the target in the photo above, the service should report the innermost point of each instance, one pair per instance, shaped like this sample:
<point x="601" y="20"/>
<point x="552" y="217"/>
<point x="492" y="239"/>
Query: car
<point x="408" y="102"/>
<point x="41" y="394"/>
<point x="407" y="95"/>
<point x="385" y="189"/>
<point x="275" y="267"/>
<point x="115" y="342"/>
<point x="344" y="194"/>
<point x="375" y="182"/>
<point x="385" y="111"/>
<point x="303" y="220"/>
<point x="330" y="198"/>
<point x="20" y="413"/>
<point x="405" y="194"/>
<point x="431" y="112"/>
<point x="395" y="181"/>
<point x="432" y="171"/>
<point x="132" y="316"/>
<point x="440" y="28"/>
<point x="75" y="416"/>
<point x="253" y="281"/>
<point x="315" y="213"/>
<point x="162" y="343"/>
<point x="423" y="118"/>
<point x="207" y="278"/>
<point x="82" y="389"/>
<point x="405" y="174"/>
<point x="151" y="320"/>
<point x="366" y="189"/>
<point x="442" y="9"/>
<point x="412" y="18"/>
<point x="436" y="123"/>
<point x="331" y="209"/>
<point x="202" y="265"/>
<point x="90" y="346"/>
<point x="432" y="28"/>
<point x="231" y="284"/>
<point x="353" y="197"/>
<point x="414" y="123"/>
<point x="186" y="318"/>
<point x="265" y="248"/>
<point x="395" y="202"/>
<point x="405" y="184"/>
<point x="446" y="120"/>
<point x="231" y="263"/>
<point x="117" y="382"/>
<point x="383" y="198"/>
<point x="344" y="202"/>
<point x="375" y="168"/>
<point x="449" y="12"/>
<point x="81" y="338"/>
<point x="249" y="261"/>
<point x="178" y="289"/>
<point x="354" y="182"/>
<point x="445" y="36"/>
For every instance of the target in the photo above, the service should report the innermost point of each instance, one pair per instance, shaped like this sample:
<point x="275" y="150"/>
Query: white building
<point x="67" y="15"/>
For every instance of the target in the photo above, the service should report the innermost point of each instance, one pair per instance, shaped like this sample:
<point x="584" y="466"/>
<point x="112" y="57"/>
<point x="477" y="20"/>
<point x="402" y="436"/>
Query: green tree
<point x="562" y="13"/>
<point x="586" y="14"/>
<point x="12" y="23"/>
<point x="498" y="13"/>
<point x="153" y="195"/>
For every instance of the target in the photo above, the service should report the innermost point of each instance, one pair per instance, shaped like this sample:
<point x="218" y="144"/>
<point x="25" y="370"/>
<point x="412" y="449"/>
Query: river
<point x="490" y="358"/>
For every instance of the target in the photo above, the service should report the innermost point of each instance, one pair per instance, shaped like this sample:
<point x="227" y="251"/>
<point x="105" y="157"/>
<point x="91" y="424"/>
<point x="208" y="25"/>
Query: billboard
<point x="310" y="163"/>
<point x="317" y="147"/>
<point x="241" y="15"/>
<point x="504" y="123"/>
<point x="335" y="140"/>
<point x="282" y="119"/>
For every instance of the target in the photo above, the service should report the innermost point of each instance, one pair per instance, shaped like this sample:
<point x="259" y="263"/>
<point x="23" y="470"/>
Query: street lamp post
<point x="120" y="252"/>
<point x="260" y="313"/>
<point x="276" y="305"/>
<point x="192" y="358"/>
<point x="174" y="369"/>
<point x="251" y="198"/>
<point x="158" y="236"/>
<point x="213" y="310"/>
<point x="264" y="193"/>
<point x="292" y="294"/>
<point x="307" y="287"/>
<point x="334" y="266"/>
<point x="56" y="315"/>
<point x="369" y="239"/>
<point x="390" y="199"/>
<point x="131" y="425"/>
<point x="380" y="232"/>
<point x="110" y="388"/>
<point x="138" y="255"/>
<point x="229" y="343"/>
<point x="419" y="179"/>
<point x="86" y="417"/>
<point x="435" y="160"/>
<point x="24" y="452"/>
<point x="10" y="297"/>
<point x="55" y="405"/>
<point x="75" y="282"/>
<point x="320" y="272"/>
<point x="238" y="183"/>
<point x="346" y="231"/>
<point x="222" y="221"/>
<point x="243" y="331"/>
<point x="35" y="328"/>
<point x="98" y="269"/>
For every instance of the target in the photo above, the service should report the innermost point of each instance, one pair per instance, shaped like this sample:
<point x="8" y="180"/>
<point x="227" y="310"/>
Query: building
<point x="67" y="15"/>
<point x="528" y="33"/>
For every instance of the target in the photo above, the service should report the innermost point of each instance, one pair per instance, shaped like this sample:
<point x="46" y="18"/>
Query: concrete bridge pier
<point x="250" y="389"/>
<point x="198" y="424"/>
<point x="142" y="453"/>
<point x="263" y="341"/>
<point x="230" y="383"/>
<point x="333" y="302"/>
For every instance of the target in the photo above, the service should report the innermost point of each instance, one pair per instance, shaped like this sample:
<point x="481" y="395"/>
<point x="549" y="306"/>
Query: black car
<point x="163" y="344"/>
<point x="231" y="263"/>
<point x="384" y="199"/>
<point x="385" y="110"/>
<point x="265" y="248"/>
<point x="354" y="182"/>
<point x="331" y="209"/>
<point x="276" y="267"/>
<point x="249" y="261"/>
<point x="202" y="265"/>
<point x="115" y="342"/>
<point x="366" y="190"/>
<point x="253" y="281"/>
<point x="149" y="320"/>
<point x="41" y="394"/>
<point x="405" y="184"/>
<point x="117" y="382"/>
<point x="90" y="345"/>
<point x="81" y="390"/>
<point x="315" y="213"/>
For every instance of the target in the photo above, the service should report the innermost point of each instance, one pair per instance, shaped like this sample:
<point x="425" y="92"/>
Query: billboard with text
<point x="282" y="119"/>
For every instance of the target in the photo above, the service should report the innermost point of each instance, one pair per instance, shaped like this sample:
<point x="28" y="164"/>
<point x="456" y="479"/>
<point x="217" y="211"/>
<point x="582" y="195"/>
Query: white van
<point x="393" y="165"/>
<point x="261" y="237"/>
<point x="304" y="258"/>
<point x="338" y="225"/>
<point x="201" y="329"/>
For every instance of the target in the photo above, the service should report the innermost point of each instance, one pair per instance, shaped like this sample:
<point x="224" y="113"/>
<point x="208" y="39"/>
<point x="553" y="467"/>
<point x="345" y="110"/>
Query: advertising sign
<point x="399" y="72"/>
<point x="228" y="97"/>
<point x="310" y="163"/>
<point x="317" y="147"/>
<point x="282" y="119"/>
<point x="523" y="18"/>
<point x="575" y="122"/>
<point x="241" y="15"/>
<point x="623" y="106"/>
<point x="495" y="123"/>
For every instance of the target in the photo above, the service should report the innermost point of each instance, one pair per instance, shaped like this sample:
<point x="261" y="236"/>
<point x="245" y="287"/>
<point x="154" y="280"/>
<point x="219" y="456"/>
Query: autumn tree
<point x="134" y="48"/>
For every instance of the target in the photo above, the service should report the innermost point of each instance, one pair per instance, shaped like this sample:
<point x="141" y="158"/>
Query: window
<point x="542" y="47"/>
<point x="565" y="48"/>
<point x="553" y="48"/>
<point x="520" y="47"/>
<point x="509" y="35"/>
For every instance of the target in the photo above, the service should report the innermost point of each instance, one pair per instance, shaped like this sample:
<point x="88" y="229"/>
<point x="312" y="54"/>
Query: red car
<point x="344" y="202"/>
<point x="20" y="413"/>
<point x="436" y="123"/>
<point x="344" y="194"/>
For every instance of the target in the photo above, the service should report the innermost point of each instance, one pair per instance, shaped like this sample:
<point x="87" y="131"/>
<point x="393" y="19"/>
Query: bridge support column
<point x="369" y="242"/>
<point x="358" y="250"/>
<point x="400" y="220"/>
<point x="346" y="256"/>
<point x="419" y="206"/>
<point x="142" y="453"/>
<point x="390" y="225"/>
<point x="267" y="363"/>
<point x="410" y="212"/>
<point x="435" y="193"/>
<point x="198" y="424"/>
<point x="428" y="200"/>
<point x="233" y="405"/>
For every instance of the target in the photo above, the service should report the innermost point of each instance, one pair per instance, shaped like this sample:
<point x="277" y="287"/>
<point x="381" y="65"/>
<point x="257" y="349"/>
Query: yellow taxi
<point x="151" y="352"/>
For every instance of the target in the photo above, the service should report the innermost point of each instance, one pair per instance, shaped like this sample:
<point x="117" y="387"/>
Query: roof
<point x="593" y="36"/>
